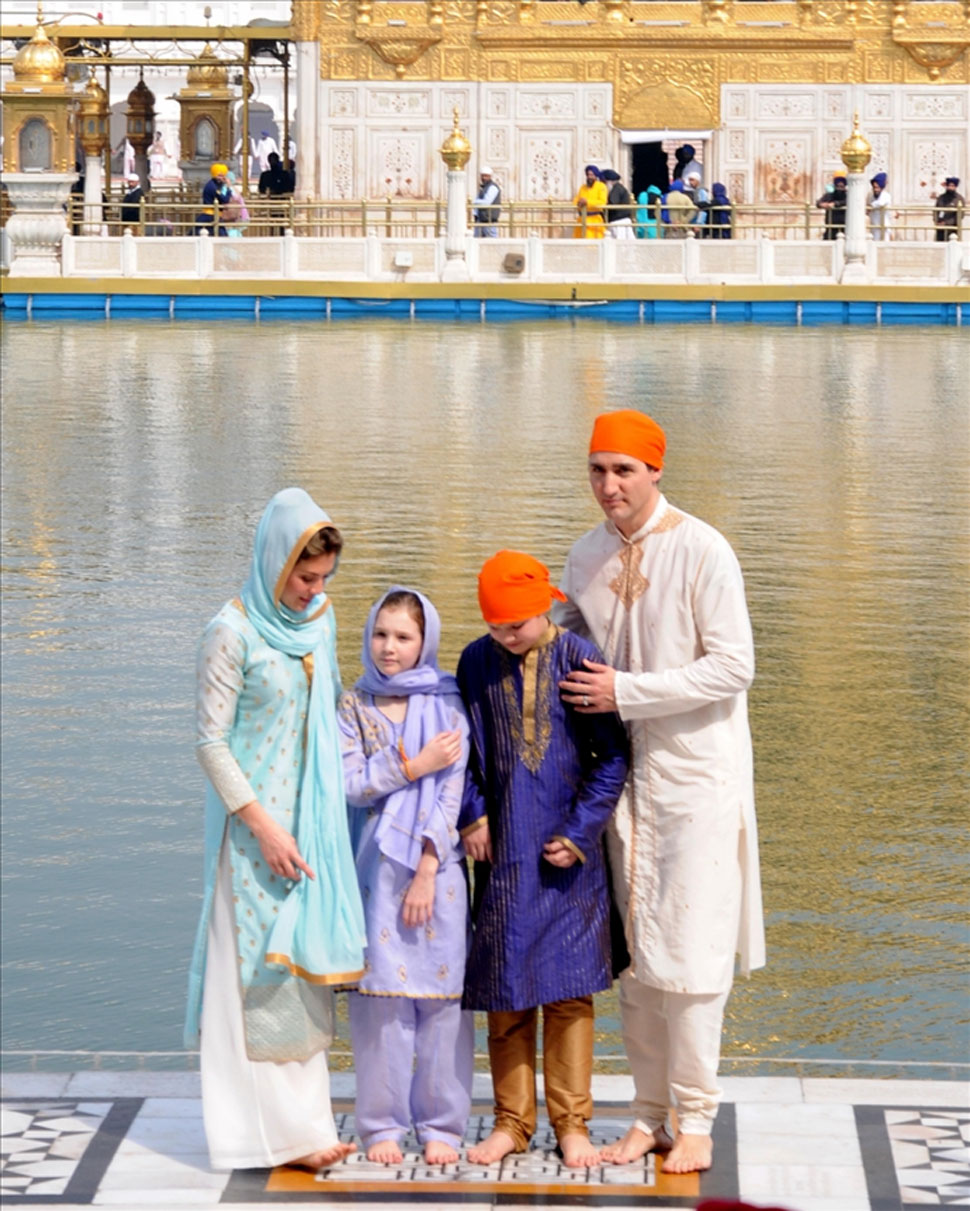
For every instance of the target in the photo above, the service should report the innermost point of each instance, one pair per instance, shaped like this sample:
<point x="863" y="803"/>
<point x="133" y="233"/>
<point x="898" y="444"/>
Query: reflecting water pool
<point x="137" y="457"/>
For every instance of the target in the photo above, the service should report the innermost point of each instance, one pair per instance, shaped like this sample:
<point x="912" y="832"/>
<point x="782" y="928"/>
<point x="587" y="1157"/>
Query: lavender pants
<point x="414" y="1061"/>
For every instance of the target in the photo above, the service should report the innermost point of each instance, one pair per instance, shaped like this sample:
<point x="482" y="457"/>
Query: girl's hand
<point x="279" y="848"/>
<point x="440" y="752"/>
<point x="418" y="899"/>
<point x="478" y="844"/>
<point x="557" y="854"/>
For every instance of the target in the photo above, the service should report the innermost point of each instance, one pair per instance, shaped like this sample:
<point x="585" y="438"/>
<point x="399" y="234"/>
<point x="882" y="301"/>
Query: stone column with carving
<point x="455" y="151"/>
<point x="38" y="223"/>
<point x="856" y="154"/>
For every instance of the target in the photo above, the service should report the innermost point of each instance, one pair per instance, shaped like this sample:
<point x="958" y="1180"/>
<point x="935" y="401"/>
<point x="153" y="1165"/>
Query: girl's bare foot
<point x="492" y="1149"/>
<point x="385" y="1152"/>
<point x="437" y="1152"/>
<point x="690" y="1154"/>
<point x="635" y="1144"/>
<point x="578" y="1152"/>
<point x="325" y="1157"/>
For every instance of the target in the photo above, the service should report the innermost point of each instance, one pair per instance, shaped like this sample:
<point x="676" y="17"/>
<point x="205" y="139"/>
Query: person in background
<point x="130" y="209"/>
<point x="877" y="205"/>
<point x="263" y="148"/>
<point x="275" y="183"/>
<point x="590" y="200"/>
<point x="486" y="205"/>
<point x="404" y="739"/>
<point x="685" y="163"/>
<point x="236" y="213"/>
<point x="648" y="213"/>
<point x="719" y="213"/>
<point x="619" y="214"/>
<point x="701" y="199"/>
<point x="948" y="211"/>
<point x="833" y="202"/>
<point x="281" y="921"/>
<point x="677" y="212"/>
<point x="216" y="193"/>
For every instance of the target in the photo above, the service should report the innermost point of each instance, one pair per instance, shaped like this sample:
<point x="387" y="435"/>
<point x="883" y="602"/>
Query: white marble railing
<point x="371" y="259"/>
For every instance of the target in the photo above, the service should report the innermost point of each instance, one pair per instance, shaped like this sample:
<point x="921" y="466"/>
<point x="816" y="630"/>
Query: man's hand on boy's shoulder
<point x="590" y="689"/>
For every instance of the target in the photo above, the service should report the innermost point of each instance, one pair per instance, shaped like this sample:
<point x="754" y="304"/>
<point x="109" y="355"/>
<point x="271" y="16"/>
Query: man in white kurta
<point x="661" y="594"/>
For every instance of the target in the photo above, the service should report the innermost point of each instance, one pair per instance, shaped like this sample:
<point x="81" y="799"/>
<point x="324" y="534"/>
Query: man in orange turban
<point x="542" y="781"/>
<point x="661" y="593"/>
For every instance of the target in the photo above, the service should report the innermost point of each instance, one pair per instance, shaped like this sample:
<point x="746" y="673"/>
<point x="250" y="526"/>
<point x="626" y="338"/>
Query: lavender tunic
<point x="427" y="961"/>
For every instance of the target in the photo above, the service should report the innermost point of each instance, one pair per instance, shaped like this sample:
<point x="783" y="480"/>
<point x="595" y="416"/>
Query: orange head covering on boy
<point x="629" y="432"/>
<point x="512" y="587"/>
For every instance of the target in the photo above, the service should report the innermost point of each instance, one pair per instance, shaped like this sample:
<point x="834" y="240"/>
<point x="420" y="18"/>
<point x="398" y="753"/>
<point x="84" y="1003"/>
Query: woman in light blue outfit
<point x="282" y="921"/>
<point x="648" y="213"/>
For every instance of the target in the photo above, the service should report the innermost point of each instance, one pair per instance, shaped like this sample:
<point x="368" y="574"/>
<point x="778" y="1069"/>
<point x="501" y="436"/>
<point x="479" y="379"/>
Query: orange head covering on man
<point x="629" y="432"/>
<point x="512" y="587"/>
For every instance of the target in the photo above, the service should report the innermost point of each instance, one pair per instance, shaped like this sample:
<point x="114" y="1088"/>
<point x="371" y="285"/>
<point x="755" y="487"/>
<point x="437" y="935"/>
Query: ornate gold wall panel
<point x="666" y="61"/>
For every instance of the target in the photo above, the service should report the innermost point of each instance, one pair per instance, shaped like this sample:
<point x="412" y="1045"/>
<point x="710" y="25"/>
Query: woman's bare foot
<point x="385" y="1152"/>
<point x="492" y="1149"/>
<point x="578" y="1152"/>
<point x="635" y="1144"/>
<point x="325" y="1157"/>
<point x="437" y="1152"/>
<point x="690" y="1154"/>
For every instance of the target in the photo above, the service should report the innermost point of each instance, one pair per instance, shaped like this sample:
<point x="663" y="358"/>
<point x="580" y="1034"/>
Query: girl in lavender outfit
<point x="404" y="741"/>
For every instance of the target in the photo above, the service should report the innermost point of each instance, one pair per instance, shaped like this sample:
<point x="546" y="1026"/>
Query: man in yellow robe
<point x="591" y="201"/>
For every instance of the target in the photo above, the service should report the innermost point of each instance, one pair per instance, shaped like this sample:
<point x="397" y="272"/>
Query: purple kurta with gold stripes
<point x="538" y="771"/>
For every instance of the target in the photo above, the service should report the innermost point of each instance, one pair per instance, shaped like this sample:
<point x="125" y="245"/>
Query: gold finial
<point x="856" y="150"/>
<point x="40" y="61"/>
<point x="456" y="150"/>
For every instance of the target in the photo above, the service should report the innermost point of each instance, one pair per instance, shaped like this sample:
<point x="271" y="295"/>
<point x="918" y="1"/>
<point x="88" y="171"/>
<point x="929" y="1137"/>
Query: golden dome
<point x="456" y="150"/>
<point x="207" y="71"/>
<point x="856" y="150"/>
<point x="39" y="62"/>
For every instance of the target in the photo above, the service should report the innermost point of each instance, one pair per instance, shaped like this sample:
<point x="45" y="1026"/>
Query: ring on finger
<point x="586" y="700"/>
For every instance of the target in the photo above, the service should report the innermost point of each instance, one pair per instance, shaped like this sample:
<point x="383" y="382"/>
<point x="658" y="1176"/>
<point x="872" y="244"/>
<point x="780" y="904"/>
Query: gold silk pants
<point x="567" y="1064"/>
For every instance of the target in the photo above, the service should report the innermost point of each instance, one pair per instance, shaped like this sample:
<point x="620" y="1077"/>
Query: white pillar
<point x="456" y="267"/>
<point x="854" y="269"/>
<point x="38" y="223"/>
<point x="93" y="215"/>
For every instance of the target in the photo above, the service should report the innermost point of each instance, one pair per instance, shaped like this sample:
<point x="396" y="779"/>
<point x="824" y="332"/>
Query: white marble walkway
<point x="135" y="1140"/>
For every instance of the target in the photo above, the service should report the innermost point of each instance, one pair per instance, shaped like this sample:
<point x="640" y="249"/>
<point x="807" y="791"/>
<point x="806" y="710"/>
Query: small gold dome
<point x="141" y="99"/>
<point x="856" y="150"/>
<point x="456" y="150"/>
<point x="207" y="71"/>
<point x="39" y="62"/>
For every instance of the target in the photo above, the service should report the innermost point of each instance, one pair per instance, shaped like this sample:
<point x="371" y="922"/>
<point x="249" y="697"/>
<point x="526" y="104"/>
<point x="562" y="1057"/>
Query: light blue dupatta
<point x="319" y="932"/>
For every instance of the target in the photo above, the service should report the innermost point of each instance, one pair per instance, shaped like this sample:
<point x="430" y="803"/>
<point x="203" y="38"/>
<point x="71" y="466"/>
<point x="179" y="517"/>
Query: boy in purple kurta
<point x="542" y="781"/>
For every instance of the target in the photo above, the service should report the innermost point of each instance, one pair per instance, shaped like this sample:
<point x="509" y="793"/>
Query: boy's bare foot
<point x="635" y="1144"/>
<point x="578" y="1152"/>
<point x="437" y="1152"/>
<point x="690" y="1154"/>
<point x="492" y="1149"/>
<point x="385" y="1152"/>
<point x="324" y="1158"/>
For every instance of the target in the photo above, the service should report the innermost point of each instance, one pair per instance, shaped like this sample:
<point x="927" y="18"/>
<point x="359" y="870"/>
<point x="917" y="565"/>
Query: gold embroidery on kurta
<point x="631" y="584"/>
<point x="530" y="724"/>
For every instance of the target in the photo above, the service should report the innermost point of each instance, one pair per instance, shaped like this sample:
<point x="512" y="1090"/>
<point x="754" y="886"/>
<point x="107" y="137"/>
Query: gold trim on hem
<point x="571" y="846"/>
<point x="291" y="563"/>
<point x="471" y="828"/>
<point x="412" y="996"/>
<point x="346" y="977"/>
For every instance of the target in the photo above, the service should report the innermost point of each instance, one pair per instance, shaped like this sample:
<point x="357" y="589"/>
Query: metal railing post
<point x="363" y="217"/>
<point x="387" y="216"/>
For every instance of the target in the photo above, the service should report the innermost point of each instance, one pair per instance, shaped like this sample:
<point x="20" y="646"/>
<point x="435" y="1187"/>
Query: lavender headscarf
<point x="400" y="831"/>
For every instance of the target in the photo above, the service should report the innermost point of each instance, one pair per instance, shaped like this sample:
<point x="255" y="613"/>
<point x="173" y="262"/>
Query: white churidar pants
<point x="673" y="1043"/>
<point x="257" y="1113"/>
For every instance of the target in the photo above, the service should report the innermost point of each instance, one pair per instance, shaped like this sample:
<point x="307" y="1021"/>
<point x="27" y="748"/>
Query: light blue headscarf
<point x="408" y="811"/>
<point x="319" y="932"/>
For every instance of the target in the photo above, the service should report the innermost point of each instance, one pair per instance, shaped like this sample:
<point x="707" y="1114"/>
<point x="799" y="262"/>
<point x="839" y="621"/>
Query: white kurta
<point x="668" y="609"/>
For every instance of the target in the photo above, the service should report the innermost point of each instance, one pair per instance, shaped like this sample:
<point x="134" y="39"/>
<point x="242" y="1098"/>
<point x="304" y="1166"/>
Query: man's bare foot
<point x="385" y="1152"/>
<point x="634" y="1145"/>
<point x="324" y="1158"/>
<point x="437" y="1152"/>
<point x="690" y="1154"/>
<point x="492" y="1149"/>
<point x="578" y="1152"/>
